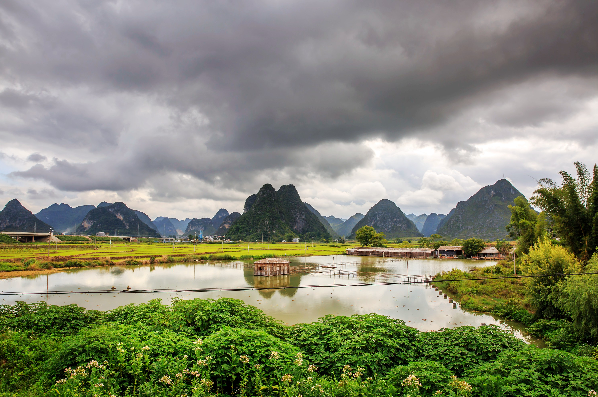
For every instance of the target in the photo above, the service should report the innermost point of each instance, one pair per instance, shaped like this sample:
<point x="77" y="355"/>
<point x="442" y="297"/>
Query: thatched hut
<point x="271" y="267"/>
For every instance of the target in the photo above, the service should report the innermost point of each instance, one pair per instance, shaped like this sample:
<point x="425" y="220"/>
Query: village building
<point x="271" y="267"/>
<point x="489" y="253"/>
<point x="450" y="251"/>
<point x="420" y="253"/>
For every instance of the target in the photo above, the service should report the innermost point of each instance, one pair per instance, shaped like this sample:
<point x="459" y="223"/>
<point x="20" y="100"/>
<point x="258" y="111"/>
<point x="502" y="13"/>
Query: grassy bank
<point x="225" y="347"/>
<point x="504" y="297"/>
<point x="42" y="256"/>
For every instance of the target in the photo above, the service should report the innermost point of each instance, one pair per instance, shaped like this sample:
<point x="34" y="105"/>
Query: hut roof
<point x="271" y="261"/>
<point x="450" y="248"/>
<point x="489" y="250"/>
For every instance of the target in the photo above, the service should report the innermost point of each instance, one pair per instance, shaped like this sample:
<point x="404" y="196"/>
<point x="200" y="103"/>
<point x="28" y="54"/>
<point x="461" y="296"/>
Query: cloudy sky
<point x="180" y="108"/>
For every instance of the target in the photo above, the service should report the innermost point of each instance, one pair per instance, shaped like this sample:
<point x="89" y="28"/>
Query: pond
<point x="317" y="286"/>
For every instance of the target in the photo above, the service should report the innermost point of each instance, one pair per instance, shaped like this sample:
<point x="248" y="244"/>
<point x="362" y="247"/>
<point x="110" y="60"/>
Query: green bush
<point x="466" y="347"/>
<point x="4" y="239"/>
<point x="373" y="342"/>
<point x="233" y="353"/>
<point x="432" y="376"/>
<point x="9" y="267"/>
<point x="205" y="316"/>
<point x="534" y="372"/>
<point x="41" y="318"/>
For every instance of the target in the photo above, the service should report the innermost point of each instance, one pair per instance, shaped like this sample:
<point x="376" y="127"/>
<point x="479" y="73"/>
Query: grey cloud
<point x="43" y="194"/>
<point x="191" y="169"/>
<point x="281" y="81"/>
<point x="45" y="118"/>
<point x="36" y="157"/>
<point x="294" y="74"/>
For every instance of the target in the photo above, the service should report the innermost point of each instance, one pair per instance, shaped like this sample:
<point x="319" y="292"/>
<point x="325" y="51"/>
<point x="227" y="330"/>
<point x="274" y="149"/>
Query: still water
<point x="314" y="289"/>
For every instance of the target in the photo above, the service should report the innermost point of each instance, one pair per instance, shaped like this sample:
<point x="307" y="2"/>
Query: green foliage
<point x="549" y="263"/>
<point x="4" y="239"/>
<point x="579" y="299"/>
<point x="40" y="318"/>
<point x="573" y="209"/>
<point x="459" y="349"/>
<point x="432" y="376"/>
<point x="473" y="246"/>
<point x="373" y="342"/>
<point x="526" y="226"/>
<point x="367" y="236"/>
<point x="503" y="247"/>
<point x="535" y="372"/>
<point x="226" y="348"/>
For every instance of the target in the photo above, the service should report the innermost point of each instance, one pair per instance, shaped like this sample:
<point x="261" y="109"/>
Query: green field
<point x="147" y="250"/>
<point x="38" y="256"/>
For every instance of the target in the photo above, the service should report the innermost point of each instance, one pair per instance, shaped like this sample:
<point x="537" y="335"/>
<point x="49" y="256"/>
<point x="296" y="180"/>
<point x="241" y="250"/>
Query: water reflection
<point x="316" y="287"/>
<point x="285" y="285"/>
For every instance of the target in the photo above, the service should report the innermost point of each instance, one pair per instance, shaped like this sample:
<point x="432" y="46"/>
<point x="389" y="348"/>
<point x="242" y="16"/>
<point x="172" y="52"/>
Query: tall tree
<point x="573" y="209"/>
<point x="524" y="225"/>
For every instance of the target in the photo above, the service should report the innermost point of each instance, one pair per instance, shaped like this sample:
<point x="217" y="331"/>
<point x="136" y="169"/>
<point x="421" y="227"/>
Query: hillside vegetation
<point x="277" y="215"/>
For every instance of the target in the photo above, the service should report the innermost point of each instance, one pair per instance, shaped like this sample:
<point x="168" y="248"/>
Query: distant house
<point x="490" y="253"/>
<point x="100" y="234"/>
<point x="420" y="253"/>
<point x="271" y="267"/>
<point x="450" y="251"/>
<point x="296" y="240"/>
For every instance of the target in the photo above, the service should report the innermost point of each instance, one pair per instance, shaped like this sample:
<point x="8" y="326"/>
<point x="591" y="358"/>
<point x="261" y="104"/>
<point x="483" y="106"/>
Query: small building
<point x="296" y="239"/>
<point x="101" y="234"/>
<point x="416" y="253"/>
<point x="450" y="251"/>
<point x="271" y="267"/>
<point x="489" y="253"/>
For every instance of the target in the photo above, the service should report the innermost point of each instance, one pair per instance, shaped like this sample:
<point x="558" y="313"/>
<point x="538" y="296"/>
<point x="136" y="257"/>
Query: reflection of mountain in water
<point x="286" y="280"/>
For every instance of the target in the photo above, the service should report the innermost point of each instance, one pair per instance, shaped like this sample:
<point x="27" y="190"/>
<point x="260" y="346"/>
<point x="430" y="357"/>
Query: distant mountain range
<point x="418" y="220"/>
<point x="322" y="220"/>
<point x="345" y="228"/>
<point x="16" y="218"/>
<point x="203" y="226"/>
<point x="431" y="225"/>
<point x="387" y="218"/>
<point x="64" y="218"/>
<point x="277" y="215"/>
<point x="334" y="221"/>
<point x="165" y="227"/>
<point x="484" y="215"/>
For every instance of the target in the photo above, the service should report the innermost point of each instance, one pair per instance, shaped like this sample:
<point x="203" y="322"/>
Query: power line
<point x="213" y="289"/>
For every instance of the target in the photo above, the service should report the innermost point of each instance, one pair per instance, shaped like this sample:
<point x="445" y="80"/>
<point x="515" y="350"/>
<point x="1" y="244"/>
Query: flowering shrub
<point x="187" y="349"/>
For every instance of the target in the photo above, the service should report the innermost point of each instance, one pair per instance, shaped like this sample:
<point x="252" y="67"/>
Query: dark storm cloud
<point x="36" y="157"/>
<point x="195" y="161"/>
<point x="272" y="77"/>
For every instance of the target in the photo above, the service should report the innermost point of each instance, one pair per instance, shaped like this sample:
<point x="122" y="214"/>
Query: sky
<point x="181" y="108"/>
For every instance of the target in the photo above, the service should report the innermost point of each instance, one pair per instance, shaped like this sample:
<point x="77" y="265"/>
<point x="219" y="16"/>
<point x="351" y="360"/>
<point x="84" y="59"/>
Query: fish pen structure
<point x="271" y="267"/>
<point x="421" y="253"/>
